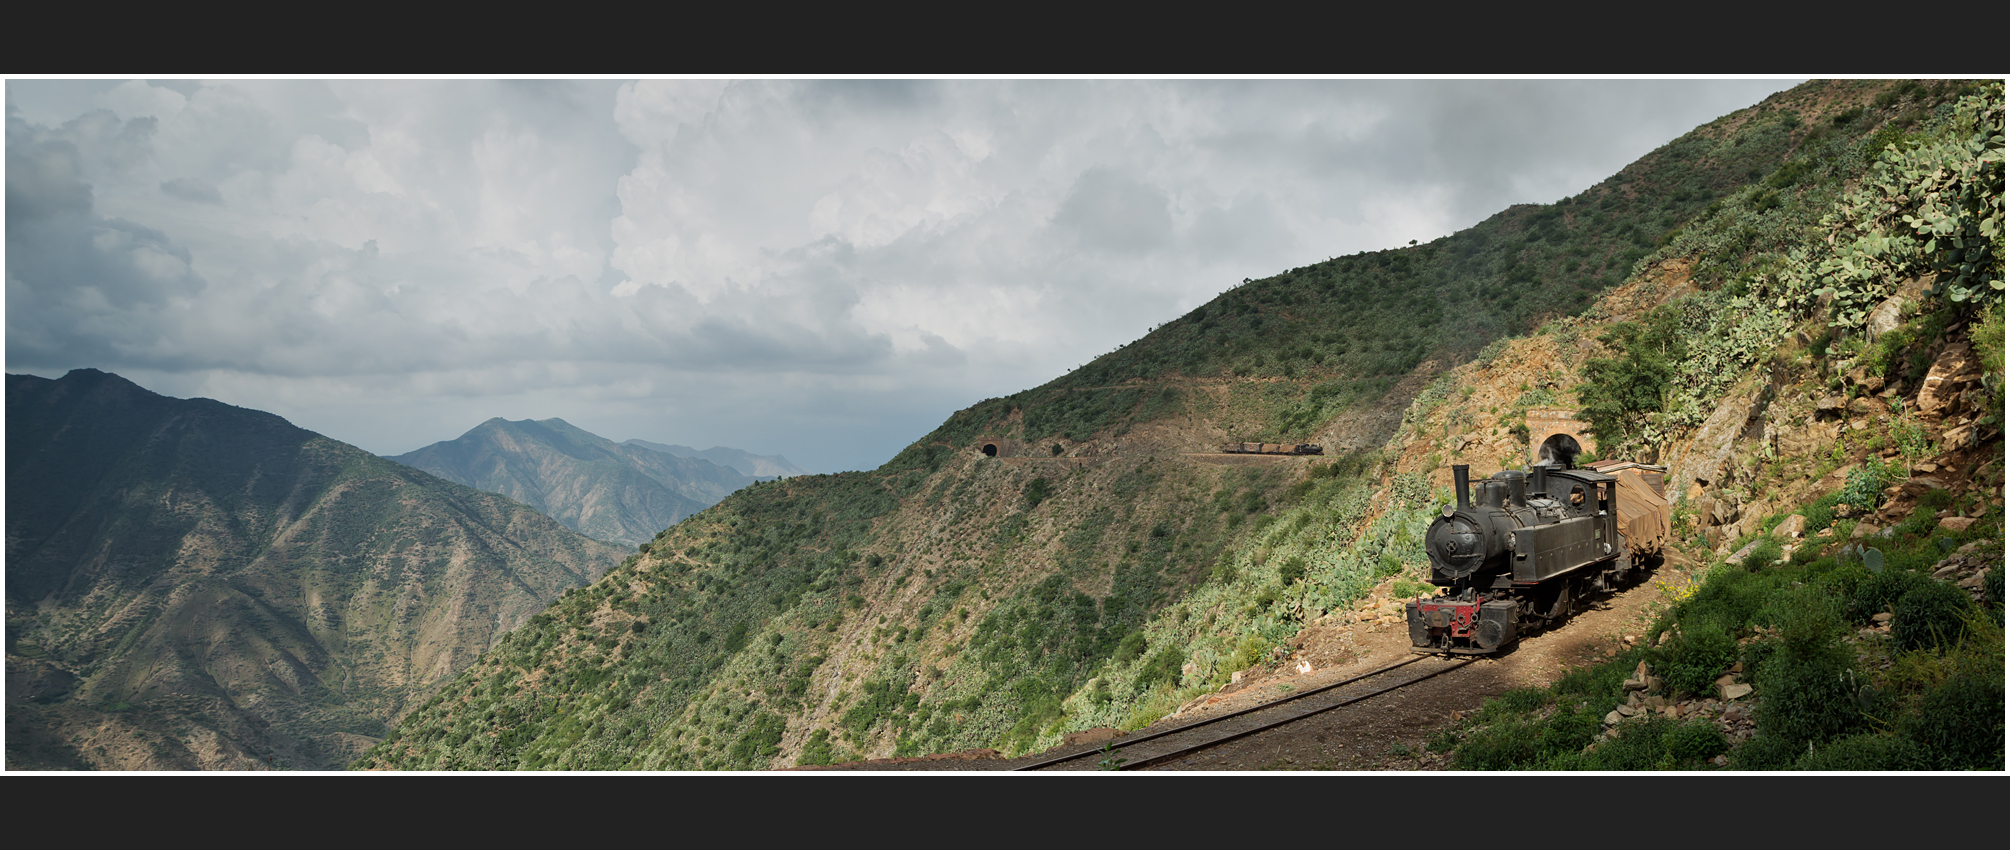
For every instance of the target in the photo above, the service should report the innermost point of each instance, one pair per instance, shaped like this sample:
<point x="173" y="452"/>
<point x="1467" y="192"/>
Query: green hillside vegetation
<point x="948" y="600"/>
<point x="194" y="585"/>
<point x="1791" y="272"/>
<point x="599" y="488"/>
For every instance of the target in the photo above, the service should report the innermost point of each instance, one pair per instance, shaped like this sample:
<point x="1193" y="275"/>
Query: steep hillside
<point x="1819" y="362"/>
<point x="599" y="488"/>
<point x="747" y="463"/>
<point x="192" y="585"/>
<point x="1075" y="555"/>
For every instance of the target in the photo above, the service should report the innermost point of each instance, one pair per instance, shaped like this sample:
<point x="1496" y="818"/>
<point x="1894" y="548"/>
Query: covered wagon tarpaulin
<point x="1643" y="511"/>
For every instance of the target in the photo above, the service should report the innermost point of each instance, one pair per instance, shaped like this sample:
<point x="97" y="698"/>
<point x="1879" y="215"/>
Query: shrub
<point x="1036" y="491"/>
<point x="1132" y="646"/>
<point x="1960" y="723"/>
<point x="1822" y="513"/>
<point x="1600" y="683"/>
<point x="1163" y="667"/>
<point x="1866" y="484"/>
<point x="1293" y="569"/>
<point x="1633" y="746"/>
<point x="1512" y="745"/>
<point x="1694" y="741"/>
<point x="1411" y="589"/>
<point x="1919" y="523"/>
<point x="1568" y="732"/>
<point x="1619" y="392"/>
<point x="1931" y="614"/>
<point x="1864" y="752"/>
<point x="1692" y="664"/>
<point x="1763" y="555"/>
<point x="1765" y="751"/>
<point x="1880" y="591"/>
<point x="1516" y="701"/>
<point x="1808" y="674"/>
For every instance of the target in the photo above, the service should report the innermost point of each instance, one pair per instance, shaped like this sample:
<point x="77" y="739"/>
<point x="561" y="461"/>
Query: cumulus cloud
<point x="392" y="262"/>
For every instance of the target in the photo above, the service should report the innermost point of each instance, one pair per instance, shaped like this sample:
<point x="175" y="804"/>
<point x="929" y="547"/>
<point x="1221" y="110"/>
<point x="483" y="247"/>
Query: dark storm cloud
<point x="82" y="288"/>
<point x="44" y="176"/>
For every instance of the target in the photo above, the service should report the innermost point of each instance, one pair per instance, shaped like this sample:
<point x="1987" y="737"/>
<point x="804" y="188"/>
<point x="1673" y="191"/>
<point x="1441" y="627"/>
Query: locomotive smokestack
<point x="1461" y="483"/>
<point x="1540" y="487"/>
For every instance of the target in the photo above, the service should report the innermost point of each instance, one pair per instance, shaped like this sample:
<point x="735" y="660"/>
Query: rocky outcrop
<point x="1956" y="369"/>
<point x="1705" y="461"/>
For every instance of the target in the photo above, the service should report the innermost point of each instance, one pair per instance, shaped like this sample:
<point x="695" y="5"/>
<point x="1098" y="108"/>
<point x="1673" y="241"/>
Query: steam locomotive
<point x="1525" y="547"/>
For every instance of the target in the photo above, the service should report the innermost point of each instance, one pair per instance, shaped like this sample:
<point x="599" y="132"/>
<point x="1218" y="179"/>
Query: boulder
<point x="1720" y="510"/>
<point x="1793" y="526"/>
<point x="1956" y="369"/>
<point x="1870" y="383"/>
<point x="1957" y="523"/>
<point x="1890" y="313"/>
<point x="1739" y="556"/>
<point x="1914" y="487"/>
<point x="1959" y="436"/>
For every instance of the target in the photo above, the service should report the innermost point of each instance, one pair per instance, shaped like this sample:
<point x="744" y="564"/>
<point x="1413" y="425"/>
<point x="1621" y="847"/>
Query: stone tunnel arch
<point x="1551" y="432"/>
<point x="997" y="447"/>
<point x="1559" y="448"/>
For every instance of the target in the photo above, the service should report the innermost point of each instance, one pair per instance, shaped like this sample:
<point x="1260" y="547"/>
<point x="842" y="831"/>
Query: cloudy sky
<point x="820" y="269"/>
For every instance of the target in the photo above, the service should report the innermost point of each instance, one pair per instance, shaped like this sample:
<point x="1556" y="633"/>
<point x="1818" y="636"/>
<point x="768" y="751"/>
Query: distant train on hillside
<point x="1270" y="449"/>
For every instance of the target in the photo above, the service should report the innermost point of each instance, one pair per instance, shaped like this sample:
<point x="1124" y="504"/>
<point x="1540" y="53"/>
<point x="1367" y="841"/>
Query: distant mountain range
<point x="624" y="493"/>
<point x="752" y="465"/>
<point x="192" y="585"/>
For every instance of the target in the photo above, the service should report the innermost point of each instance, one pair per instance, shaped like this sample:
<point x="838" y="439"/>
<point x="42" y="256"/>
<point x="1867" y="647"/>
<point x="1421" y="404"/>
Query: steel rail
<point x="1252" y="709"/>
<point x="1182" y="753"/>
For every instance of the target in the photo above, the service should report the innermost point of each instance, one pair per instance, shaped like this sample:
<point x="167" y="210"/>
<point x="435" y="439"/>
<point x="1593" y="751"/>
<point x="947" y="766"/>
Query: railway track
<point x="1142" y="751"/>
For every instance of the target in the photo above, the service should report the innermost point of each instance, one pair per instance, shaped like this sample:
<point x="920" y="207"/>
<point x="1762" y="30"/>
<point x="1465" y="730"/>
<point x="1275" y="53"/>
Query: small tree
<point x="1620" y="392"/>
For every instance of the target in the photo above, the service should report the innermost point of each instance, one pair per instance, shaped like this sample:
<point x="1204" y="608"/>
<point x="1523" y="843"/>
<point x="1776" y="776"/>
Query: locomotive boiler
<point x="1521" y="549"/>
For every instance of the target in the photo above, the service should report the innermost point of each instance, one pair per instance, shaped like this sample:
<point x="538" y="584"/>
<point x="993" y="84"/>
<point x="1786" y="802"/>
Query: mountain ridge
<point x="193" y="585"/>
<point x="593" y="485"/>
